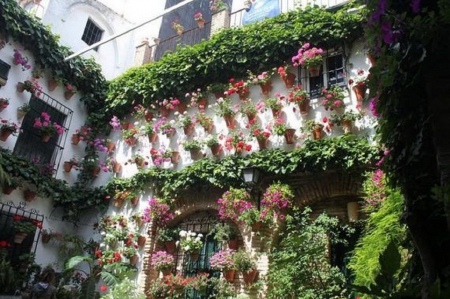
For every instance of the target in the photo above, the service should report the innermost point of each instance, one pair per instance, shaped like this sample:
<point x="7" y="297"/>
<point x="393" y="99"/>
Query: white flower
<point x="186" y="248"/>
<point x="176" y="113"/>
<point x="200" y="235"/>
<point x="188" y="238"/>
<point x="197" y="239"/>
<point x="185" y="113"/>
<point x="177" y="243"/>
<point x="136" y="123"/>
<point x="103" y="233"/>
<point x="172" y="121"/>
<point x="182" y="233"/>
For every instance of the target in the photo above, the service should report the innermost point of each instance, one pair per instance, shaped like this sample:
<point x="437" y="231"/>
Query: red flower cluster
<point x="5" y="244"/>
<point x="239" y="87"/>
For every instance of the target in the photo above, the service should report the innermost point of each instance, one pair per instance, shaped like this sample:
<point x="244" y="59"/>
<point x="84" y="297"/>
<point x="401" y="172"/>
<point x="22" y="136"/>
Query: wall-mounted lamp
<point x="353" y="211"/>
<point x="252" y="177"/>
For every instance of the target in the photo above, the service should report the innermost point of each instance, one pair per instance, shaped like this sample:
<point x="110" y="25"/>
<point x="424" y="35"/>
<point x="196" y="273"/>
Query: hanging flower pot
<point x="118" y="202"/>
<point x="189" y="129"/>
<point x="20" y="113"/>
<point x="218" y="95"/>
<point x="175" y="157"/>
<point x="75" y="139"/>
<point x="275" y="112"/>
<point x="303" y="106"/>
<point x="360" y="92"/>
<point x="45" y="137"/>
<point x="20" y="87"/>
<point x="29" y="195"/>
<point x="229" y="275"/>
<point x="215" y="149"/>
<point x="202" y="104"/>
<point x="201" y="24"/>
<point x="229" y="120"/>
<point x="266" y="87"/>
<point x="250" y="276"/>
<point x="195" y="153"/>
<point x="111" y="146"/>
<point x="68" y="94"/>
<point x="262" y="142"/>
<point x="95" y="171"/>
<point x="182" y="107"/>
<point x="208" y="128"/>
<point x="166" y="271"/>
<point x="170" y="133"/>
<point x="233" y="244"/>
<point x="170" y="246"/>
<point x="7" y="189"/>
<point x="372" y="59"/>
<point x="289" y="80"/>
<point x="131" y="141"/>
<point x="134" y="259"/>
<point x="67" y="166"/>
<point x="19" y="237"/>
<point x="46" y="238"/>
<point x="164" y="111"/>
<point x="289" y="135"/>
<point x="317" y="133"/>
<point x="180" y="32"/>
<point x="148" y="115"/>
<point x="244" y="95"/>
<point x="52" y="84"/>
<point x="4" y="134"/>
<point x="314" y="71"/>
<point x="194" y="256"/>
<point x="152" y="137"/>
<point x="125" y="125"/>
<point x="117" y="167"/>
<point x="134" y="201"/>
<point x="251" y="116"/>
<point x="347" y="126"/>
<point x="140" y="162"/>
<point x="141" y="241"/>
<point x="256" y="226"/>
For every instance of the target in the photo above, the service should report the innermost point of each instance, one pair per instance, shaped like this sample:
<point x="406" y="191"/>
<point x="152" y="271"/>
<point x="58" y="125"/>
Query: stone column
<point x="143" y="54"/>
<point x="220" y="20"/>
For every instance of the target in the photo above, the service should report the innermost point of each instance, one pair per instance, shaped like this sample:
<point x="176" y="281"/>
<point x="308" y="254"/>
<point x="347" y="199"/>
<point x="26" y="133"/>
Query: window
<point x="29" y="144"/>
<point x="92" y="33"/>
<point x="332" y="72"/>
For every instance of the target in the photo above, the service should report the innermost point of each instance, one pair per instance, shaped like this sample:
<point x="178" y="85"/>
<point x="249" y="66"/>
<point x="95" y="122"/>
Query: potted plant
<point x="69" y="91"/>
<point x="276" y="103"/>
<point x="165" y="126"/>
<point x="46" y="235"/>
<point x="4" y="102"/>
<point x="233" y="202"/>
<point x="19" y="59"/>
<point x="251" y="218"/>
<point x="241" y="87"/>
<point x="261" y="135"/>
<point x="163" y="261"/>
<point x="311" y="58"/>
<point x="22" y="229"/>
<point x="31" y="86"/>
<point x="279" y="127"/>
<point x="249" y="109"/>
<point x="288" y="78"/>
<point x="187" y="122"/>
<point x="130" y="135"/>
<point x="213" y="143"/>
<point x="46" y="127"/>
<point x="200" y="21"/>
<point x="159" y="289"/>
<point x="224" y="108"/>
<point x="222" y="288"/>
<point x="167" y="105"/>
<point x="177" y="27"/>
<point x="131" y="254"/>
<point x="200" y="283"/>
<point x="313" y="127"/>
<point x="263" y="80"/>
<point x="198" y="99"/>
<point x="193" y="146"/>
<point x="223" y="260"/>
<point x="191" y="243"/>
<point x="169" y="236"/>
<point x="226" y="233"/>
<point x="7" y="128"/>
<point x="245" y="263"/>
<point x="332" y="98"/>
<point x="10" y="184"/>
<point x="301" y="97"/>
<point x="276" y="199"/>
<point x="346" y="120"/>
<point x="23" y="110"/>
<point x="158" y="211"/>
<point x="217" y="6"/>
<point x="205" y="121"/>
<point x="360" y="85"/>
<point x="238" y="142"/>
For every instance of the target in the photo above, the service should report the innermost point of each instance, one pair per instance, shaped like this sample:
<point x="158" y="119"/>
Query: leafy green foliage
<point x="299" y="266"/>
<point x="229" y="54"/>
<point x="125" y="289"/>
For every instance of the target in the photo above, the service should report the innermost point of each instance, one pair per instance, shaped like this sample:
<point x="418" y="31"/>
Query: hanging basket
<point x="266" y="87"/>
<point x="215" y="149"/>
<point x="8" y="189"/>
<point x="314" y="71"/>
<point x="289" y="80"/>
<point x="250" y="276"/>
<point x="170" y="246"/>
<point x="4" y="134"/>
<point x="202" y="104"/>
<point x="95" y="171"/>
<point x="229" y="275"/>
<point x="175" y="157"/>
<point x="303" y="106"/>
<point x="289" y="135"/>
<point x="229" y="120"/>
<point x="134" y="201"/>
<point x="164" y="111"/>
<point x="256" y="226"/>
<point x="148" y="115"/>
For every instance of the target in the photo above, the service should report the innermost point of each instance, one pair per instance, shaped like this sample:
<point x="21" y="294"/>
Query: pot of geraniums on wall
<point x="52" y="83"/>
<point x="276" y="104"/>
<point x="310" y="58"/>
<point x="68" y="165"/>
<point x="10" y="185"/>
<point x="194" y="147"/>
<point x="200" y="21"/>
<point x="91" y="165"/>
<point x="166" y="127"/>
<point x="191" y="243"/>
<point x="23" y="110"/>
<point x="213" y="143"/>
<point x="251" y="217"/>
<point x="140" y="239"/>
<point x="246" y="264"/>
<point x="177" y="27"/>
<point x="241" y="87"/>
<point x="149" y="130"/>
<point x="4" y="103"/>
<point x="69" y="91"/>
<point x="346" y="120"/>
<point x="249" y="109"/>
<point x="261" y="135"/>
<point x="301" y="97"/>
<point x="217" y="89"/>
<point x="205" y="121"/>
<point x="288" y="78"/>
<point x="198" y="99"/>
<point x="263" y="80"/>
<point x="130" y="253"/>
<point x="333" y="98"/>
<point x="360" y="85"/>
<point x="187" y="122"/>
<point x="223" y="260"/>
<point x="31" y="86"/>
<point x="163" y="261"/>
<point x="22" y="228"/>
<point x="169" y="236"/>
<point x="314" y="128"/>
<point x="7" y="128"/>
<point x="224" y="108"/>
<point x="46" y="127"/>
<point x="226" y="233"/>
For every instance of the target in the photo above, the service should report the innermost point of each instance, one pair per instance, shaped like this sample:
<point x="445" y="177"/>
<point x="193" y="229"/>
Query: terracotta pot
<point x="209" y="128"/>
<point x="175" y="157"/>
<point x="20" y="87"/>
<point x="75" y="139"/>
<point x="19" y="237"/>
<point x="194" y="256"/>
<point x="289" y="135"/>
<point x="256" y="226"/>
<point x="4" y="134"/>
<point x="117" y="167"/>
<point x="29" y="195"/>
<point x="317" y="134"/>
<point x="170" y="246"/>
<point x="215" y="149"/>
<point x="182" y="107"/>
<point x="45" y="137"/>
<point x="148" y="115"/>
<point x="188" y="130"/>
<point x="229" y="275"/>
<point x="266" y="87"/>
<point x="202" y="104"/>
<point x="251" y="116"/>
<point x="229" y="120"/>
<point x="111" y="147"/>
<point x="68" y="94"/>
<point x="134" y="201"/>
<point x="201" y="24"/>
<point x="275" y="112"/>
<point x="118" y="202"/>
<point x="95" y="171"/>
<point x="347" y="126"/>
<point x="67" y="166"/>
<point x="250" y="276"/>
<point x="171" y="133"/>
<point x="20" y="114"/>
<point x="372" y="59"/>
<point x="303" y="106"/>
<point x="8" y="189"/>
<point x="134" y="259"/>
<point x="46" y="238"/>
<point x="124" y="125"/>
<point x="180" y="32"/>
<point x="141" y="241"/>
<point x="218" y="95"/>
<point x="131" y="141"/>
<point x="166" y="272"/>
<point x="52" y="84"/>
<point x="289" y="80"/>
<point x="195" y="153"/>
<point x="262" y="142"/>
<point x="164" y="111"/>
<point x="152" y="137"/>
<point x="314" y="71"/>
<point x="360" y="92"/>
<point x="140" y="162"/>
<point x="244" y="95"/>
<point x="233" y="244"/>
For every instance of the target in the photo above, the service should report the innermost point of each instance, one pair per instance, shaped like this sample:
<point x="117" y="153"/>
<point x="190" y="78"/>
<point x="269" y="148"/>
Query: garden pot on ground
<point x="229" y="275"/>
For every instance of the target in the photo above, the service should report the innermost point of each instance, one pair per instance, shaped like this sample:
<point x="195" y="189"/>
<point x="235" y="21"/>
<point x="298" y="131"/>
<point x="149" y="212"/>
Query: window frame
<point x="88" y="34"/>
